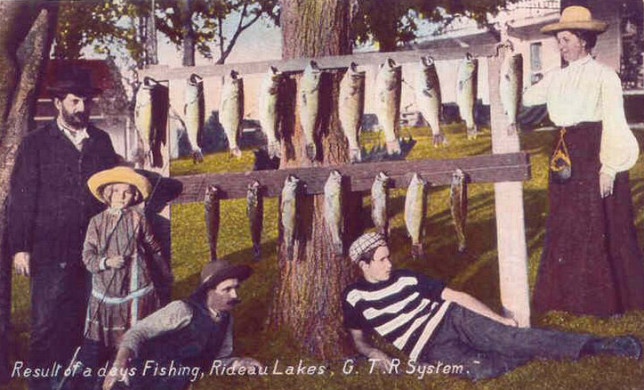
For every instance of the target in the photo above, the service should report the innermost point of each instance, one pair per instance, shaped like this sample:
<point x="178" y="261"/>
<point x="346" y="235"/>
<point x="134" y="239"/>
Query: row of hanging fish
<point x="414" y="212"/>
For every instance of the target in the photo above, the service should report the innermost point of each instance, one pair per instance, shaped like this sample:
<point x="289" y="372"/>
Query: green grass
<point x="476" y="272"/>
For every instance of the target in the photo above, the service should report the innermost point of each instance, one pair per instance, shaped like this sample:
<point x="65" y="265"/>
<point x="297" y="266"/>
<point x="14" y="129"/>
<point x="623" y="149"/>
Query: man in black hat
<point x="49" y="208"/>
<point x="163" y="350"/>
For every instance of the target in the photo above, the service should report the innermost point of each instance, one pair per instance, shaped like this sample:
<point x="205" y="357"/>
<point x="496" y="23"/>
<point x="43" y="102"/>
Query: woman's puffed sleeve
<point x="537" y="94"/>
<point x="619" y="149"/>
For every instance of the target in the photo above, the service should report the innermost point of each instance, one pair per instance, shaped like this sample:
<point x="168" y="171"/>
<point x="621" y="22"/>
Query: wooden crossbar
<point x="330" y="62"/>
<point x="359" y="177"/>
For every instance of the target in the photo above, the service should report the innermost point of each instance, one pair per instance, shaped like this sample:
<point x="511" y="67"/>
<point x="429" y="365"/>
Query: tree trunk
<point x="189" y="39"/>
<point x="307" y="295"/>
<point x="20" y="105"/>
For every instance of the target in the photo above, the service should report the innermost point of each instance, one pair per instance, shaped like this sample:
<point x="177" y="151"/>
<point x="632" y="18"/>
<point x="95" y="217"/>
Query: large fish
<point x="268" y="112"/>
<point x="194" y="112"/>
<point x="351" y="108"/>
<point x="415" y="208"/>
<point x="333" y="209"/>
<point x="160" y="113"/>
<point x="255" y="213"/>
<point x="231" y="110"/>
<point x="143" y="115"/>
<point x="289" y="213"/>
<point x="387" y="105"/>
<point x="309" y="106"/>
<point x="510" y="87"/>
<point x="379" y="202"/>
<point x="211" y="211"/>
<point x="466" y="93"/>
<point x="428" y="98"/>
<point x="458" y="206"/>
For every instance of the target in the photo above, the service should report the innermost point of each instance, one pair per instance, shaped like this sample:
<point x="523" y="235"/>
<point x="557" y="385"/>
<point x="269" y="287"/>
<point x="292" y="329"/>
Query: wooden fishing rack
<point x="507" y="167"/>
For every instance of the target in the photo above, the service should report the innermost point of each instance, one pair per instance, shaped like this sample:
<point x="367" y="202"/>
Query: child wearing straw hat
<point x="120" y="252"/>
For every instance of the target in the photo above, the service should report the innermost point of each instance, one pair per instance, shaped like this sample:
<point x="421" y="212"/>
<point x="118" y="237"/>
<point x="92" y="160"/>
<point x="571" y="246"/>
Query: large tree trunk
<point x="29" y="54"/>
<point x="189" y="38"/>
<point x="307" y="295"/>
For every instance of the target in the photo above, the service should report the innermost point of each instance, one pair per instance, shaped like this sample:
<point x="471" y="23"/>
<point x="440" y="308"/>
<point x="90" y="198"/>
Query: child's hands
<point x="115" y="262"/>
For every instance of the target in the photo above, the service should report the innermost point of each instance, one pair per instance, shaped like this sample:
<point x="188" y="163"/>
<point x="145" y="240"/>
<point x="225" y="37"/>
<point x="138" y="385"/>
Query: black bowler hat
<point x="74" y="79"/>
<point x="217" y="271"/>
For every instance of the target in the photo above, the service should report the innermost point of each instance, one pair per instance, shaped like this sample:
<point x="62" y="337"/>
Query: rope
<point x="560" y="154"/>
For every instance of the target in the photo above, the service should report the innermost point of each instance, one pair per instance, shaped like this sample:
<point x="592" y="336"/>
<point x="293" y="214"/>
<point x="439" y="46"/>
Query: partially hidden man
<point x="49" y="208"/>
<point x="190" y="333"/>
<point x="433" y="324"/>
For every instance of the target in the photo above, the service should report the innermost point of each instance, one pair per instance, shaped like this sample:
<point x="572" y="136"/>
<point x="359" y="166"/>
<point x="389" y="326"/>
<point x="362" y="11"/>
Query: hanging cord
<point x="560" y="153"/>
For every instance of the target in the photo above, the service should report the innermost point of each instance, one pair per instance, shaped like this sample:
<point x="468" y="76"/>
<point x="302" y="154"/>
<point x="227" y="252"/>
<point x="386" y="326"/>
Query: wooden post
<point x="510" y="219"/>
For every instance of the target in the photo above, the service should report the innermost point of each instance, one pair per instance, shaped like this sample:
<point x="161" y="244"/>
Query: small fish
<point x="255" y="213"/>
<point x="415" y="208"/>
<point x="289" y="213"/>
<point x="458" y="206"/>
<point x="211" y="211"/>
<point x="351" y="108"/>
<point x="194" y="112"/>
<point x="268" y="112"/>
<point x="379" y="201"/>
<point x="231" y="110"/>
<point x="308" y="106"/>
<point x="466" y="93"/>
<point x="387" y="105"/>
<point x="160" y="113"/>
<point x="333" y="209"/>
<point x="143" y="115"/>
<point x="428" y="98"/>
<point x="510" y="87"/>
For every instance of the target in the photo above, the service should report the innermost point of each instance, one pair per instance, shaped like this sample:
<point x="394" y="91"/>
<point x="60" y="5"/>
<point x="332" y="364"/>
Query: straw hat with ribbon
<point x="576" y="18"/>
<point x="118" y="175"/>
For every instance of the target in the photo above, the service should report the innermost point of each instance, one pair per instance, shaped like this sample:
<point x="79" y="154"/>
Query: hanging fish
<point x="268" y="115"/>
<point x="415" y="208"/>
<point x="351" y="108"/>
<point x="333" y="209"/>
<point x="466" y="93"/>
<point x="387" y="105"/>
<point x="309" y="105"/>
<point x="143" y="115"/>
<point x="289" y="212"/>
<point x="255" y="212"/>
<point x="428" y="98"/>
<point x="194" y="112"/>
<point x="458" y="206"/>
<point x="211" y="211"/>
<point x="231" y="110"/>
<point x="160" y="113"/>
<point x="379" y="200"/>
<point x="510" y="87"/>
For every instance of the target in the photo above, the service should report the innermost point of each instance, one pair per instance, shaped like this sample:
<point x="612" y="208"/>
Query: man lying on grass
<point x="434" y="325"/>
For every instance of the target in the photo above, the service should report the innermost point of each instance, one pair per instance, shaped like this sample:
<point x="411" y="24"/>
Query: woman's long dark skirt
<point x="591" y="262"/>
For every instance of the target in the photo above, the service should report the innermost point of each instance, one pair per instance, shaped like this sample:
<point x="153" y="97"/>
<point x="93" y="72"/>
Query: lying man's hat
<point x="217" y="271"/>
<point x="118" y="175"/>
<point x="365" y="243"/>
<point x="575" y="17"/>
<point x="76" y="80"/>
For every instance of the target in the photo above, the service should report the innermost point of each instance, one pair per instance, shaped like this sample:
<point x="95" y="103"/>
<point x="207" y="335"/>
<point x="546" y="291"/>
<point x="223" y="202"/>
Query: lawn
<point x="476" y="272"/>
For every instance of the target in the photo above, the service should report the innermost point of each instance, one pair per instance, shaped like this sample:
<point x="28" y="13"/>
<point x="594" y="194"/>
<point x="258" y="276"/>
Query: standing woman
<point x="591" y="262"/>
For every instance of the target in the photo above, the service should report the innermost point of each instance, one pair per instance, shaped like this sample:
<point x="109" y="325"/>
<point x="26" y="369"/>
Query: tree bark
<point x="189" y="38"/>
<point x="307" y="295"/>
<point x="20" y="104"/>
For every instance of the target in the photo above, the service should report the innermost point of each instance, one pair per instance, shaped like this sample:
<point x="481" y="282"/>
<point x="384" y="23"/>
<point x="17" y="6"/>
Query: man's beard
<point x="78" y="120"/>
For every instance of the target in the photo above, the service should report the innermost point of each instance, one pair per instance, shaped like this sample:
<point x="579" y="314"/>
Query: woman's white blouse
<point x="587" y="91"/>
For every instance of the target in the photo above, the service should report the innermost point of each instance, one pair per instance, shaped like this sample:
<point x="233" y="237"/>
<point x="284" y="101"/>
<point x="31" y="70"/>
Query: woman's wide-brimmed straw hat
<point x="118" y="175"/>
<point x="576" y="17"/>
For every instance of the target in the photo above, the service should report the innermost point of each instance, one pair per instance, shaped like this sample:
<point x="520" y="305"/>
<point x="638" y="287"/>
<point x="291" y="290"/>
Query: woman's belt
<point x="117" y="300"/>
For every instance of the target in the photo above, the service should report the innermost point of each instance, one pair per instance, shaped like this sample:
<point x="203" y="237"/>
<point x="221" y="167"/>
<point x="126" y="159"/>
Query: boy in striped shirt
<point x="431" y="323"/>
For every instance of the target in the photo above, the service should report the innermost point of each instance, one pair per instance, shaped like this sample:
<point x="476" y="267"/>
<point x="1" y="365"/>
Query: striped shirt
<point x="405" y="310"/>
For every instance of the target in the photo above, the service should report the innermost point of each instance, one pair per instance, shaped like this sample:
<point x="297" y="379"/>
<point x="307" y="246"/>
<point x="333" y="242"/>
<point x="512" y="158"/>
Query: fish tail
<point x="393" y="147"/>
<point x="337" y="248"/>
<point x="256" y="252"/>
<point x="197" y="156"/>
<point x="355" y="155"/>
<point x="417" y="251"/>
<point x="236" y="152"/>
<point x="311" y="151"/>
<point x="274" y="150"/>
<point x="461" y="244"/>
<point x="472" y="132"/>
